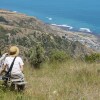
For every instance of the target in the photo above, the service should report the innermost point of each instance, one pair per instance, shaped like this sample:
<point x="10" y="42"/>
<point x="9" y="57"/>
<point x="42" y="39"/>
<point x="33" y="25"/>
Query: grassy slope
<point x="72" y="80"/>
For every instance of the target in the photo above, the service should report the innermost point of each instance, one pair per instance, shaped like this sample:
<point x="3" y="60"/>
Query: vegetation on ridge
<point x="26" y="32"/>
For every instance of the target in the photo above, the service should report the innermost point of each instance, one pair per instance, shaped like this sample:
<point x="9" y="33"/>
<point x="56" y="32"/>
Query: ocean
<point x="75" y="13"/>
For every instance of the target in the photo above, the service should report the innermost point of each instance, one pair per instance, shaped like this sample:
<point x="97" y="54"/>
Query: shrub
<point x="57" y="55"/>
<point x="2" y="29"/>
<point x="2" y="19"/>
<point x="95" y="57"/>
<point x="37" y="56"/>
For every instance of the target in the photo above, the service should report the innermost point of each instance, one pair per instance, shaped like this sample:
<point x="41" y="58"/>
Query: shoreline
<point x="72" y="29"/>
<point x="64" y="31"/>
<point x="63" y="26"/>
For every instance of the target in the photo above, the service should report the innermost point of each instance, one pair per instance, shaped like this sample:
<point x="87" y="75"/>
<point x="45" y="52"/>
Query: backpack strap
<point x="11" y="66"/>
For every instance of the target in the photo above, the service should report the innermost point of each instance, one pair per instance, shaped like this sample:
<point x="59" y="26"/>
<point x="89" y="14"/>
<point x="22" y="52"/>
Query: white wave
<point x="49" y="18"/>
<point x="85" y="30"/>
<point x="54" y="24"/>
<point x="15" y="11"/>
<point x="63" y="25"/>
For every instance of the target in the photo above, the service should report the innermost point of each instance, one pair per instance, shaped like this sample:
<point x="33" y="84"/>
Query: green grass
<point x="73" y="80"/>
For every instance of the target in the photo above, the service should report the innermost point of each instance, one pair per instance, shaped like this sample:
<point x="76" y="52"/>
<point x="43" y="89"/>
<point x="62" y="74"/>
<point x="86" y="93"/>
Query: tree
<point x="37" y="56"/>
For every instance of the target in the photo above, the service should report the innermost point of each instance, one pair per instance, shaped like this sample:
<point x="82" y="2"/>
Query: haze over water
<point x="75" y="13"/>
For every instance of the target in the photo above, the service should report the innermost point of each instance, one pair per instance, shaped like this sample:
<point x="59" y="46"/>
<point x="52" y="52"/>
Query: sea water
<point x="75" y="13"/>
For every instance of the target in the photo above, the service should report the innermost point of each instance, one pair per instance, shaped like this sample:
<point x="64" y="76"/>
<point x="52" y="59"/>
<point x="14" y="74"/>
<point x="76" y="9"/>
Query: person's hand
<point x="5" y="54"/>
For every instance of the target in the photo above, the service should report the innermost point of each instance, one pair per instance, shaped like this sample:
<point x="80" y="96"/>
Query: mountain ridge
<point x="26" y="31"/>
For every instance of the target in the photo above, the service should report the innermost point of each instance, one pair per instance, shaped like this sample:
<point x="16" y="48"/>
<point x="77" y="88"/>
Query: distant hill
<point x="26" y="32"/>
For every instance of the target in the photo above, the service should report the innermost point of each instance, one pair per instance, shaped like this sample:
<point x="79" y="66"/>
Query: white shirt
<point x="16" y="66"/>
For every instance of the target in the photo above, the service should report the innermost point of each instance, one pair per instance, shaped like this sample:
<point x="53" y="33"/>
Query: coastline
<point x="86" y="38"/>
<point x="62" y="26"/>
<point x="68" y="32"/>
<point x="50" y="21"/>
<point x="72" y="29"/>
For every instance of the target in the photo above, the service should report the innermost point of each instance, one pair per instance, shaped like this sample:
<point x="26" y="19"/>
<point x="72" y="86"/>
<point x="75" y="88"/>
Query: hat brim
<point x="16" y="53"/>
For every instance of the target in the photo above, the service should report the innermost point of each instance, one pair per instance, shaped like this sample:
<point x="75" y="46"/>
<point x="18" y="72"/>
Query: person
<point x="17" y="69"/>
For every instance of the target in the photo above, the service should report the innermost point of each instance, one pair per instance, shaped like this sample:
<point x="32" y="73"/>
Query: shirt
<point x="16" y="66"/>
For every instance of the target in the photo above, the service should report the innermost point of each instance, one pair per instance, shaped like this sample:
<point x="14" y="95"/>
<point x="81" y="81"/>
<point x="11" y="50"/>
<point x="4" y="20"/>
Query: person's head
<point x="14" y="51"/>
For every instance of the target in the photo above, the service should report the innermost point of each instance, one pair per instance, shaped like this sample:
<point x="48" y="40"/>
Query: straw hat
<point x="14" y="51"/>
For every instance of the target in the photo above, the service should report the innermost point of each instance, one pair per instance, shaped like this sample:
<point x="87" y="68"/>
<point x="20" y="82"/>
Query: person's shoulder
<point x="8" y="57"/>
<point x="18" y="57"/>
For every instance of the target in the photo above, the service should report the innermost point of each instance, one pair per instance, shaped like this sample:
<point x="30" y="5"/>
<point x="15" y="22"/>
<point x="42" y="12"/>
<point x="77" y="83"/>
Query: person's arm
<point x="4" y="66"/>
<point x="21" y="64"/>
<point x="3" y="56"/>
<point x="21" y="67"/>
<point x="3" y="69"/>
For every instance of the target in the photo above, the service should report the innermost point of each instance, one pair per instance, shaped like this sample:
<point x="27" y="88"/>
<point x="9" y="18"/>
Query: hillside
<point x="73" y="80"/>
<point x="26" y="32"/>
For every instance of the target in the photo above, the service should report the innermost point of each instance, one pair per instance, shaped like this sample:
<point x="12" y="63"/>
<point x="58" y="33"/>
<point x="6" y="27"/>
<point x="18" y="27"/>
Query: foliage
<point x="2" y="19"/>
<point x="37" y="56"/>
<point x="58" y="55"/>
<point x="2" y="29"/>
<point x="95" y="57"/>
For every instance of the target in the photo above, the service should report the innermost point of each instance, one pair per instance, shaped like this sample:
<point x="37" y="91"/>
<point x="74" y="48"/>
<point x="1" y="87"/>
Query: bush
<point x="2" y="19"/>
<point x="92" y="58"/>
<point x="57" y="55"/>
<point x="37" y="56"/>
<point x="2" y="29"/>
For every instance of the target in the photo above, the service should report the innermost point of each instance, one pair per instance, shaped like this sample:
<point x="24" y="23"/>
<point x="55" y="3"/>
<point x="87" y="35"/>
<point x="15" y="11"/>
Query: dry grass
<point x="73" y="80"/>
